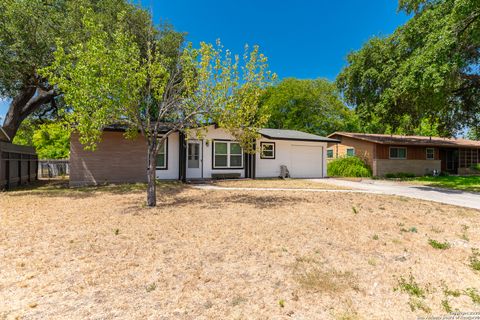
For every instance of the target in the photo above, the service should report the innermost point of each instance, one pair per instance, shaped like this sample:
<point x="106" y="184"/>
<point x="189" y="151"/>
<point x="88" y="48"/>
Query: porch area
<point x="459" y="160"/>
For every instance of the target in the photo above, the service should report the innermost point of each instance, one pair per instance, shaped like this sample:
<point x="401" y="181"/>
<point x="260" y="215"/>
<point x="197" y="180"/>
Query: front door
<point x="194" y="160"/>
<point x="449" y="158"/>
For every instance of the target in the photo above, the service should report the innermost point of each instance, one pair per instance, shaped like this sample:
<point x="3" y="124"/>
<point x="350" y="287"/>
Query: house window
<point x="350" y="152"/>
<point x="267" y="150"/>
<point x="398" y="153"/>
<point x="227" y="155"/>
<point x="430" y="153"/>
<point x="329" y="153"/>
<point x="162" y="156"/>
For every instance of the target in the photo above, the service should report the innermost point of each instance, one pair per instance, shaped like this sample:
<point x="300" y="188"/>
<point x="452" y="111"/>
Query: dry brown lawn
<point x="276" y="184"/>
<point x="221" y="254"/>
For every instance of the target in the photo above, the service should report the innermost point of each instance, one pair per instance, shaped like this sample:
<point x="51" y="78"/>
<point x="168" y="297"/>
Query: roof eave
<point x="299" y="139"/>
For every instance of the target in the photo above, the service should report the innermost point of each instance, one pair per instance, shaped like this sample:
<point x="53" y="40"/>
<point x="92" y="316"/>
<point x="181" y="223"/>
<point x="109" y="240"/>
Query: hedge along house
<point x="215" y="155"/>
<point x="408" y="154"/>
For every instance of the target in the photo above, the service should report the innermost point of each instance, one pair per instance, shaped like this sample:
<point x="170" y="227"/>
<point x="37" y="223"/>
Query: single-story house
<point x="419" y="155"/>
<point x="216" y="154"/>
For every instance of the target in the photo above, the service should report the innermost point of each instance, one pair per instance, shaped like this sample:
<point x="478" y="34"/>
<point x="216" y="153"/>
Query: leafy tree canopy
<point x="427" y="70"/>
<point x="314" y="106"/>
<point x="29" y="30"/>
<point x="51" y="139"/>
<point x="170" y="87"/>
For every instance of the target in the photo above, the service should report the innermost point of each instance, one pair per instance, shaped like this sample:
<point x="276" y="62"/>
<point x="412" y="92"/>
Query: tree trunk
<point x="151" y="177"/>
<point x="26" y="102"/>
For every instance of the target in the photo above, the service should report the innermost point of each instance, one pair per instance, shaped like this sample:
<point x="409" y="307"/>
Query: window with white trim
<point x="162" y="156"/>
<point x="267" y="150"/>
<point x="329" y="153"/>
<point x="430" y="153"/>
<point x="398" y="153"/>
<point x="350" y="152"/>
<point x="227" y="154"/>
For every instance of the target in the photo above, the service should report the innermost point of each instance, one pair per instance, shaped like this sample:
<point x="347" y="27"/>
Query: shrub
<point x="476" y="167"/>
<point x="439" y="245"/>
<point x="399" y="175"/>
<point x="348" y="167"/>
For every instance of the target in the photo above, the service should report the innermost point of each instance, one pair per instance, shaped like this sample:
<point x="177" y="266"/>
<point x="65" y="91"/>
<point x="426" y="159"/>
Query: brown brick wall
<point x="417" y="167"/>
<point x="363" y="149"/>
<point x="116" y="160"/>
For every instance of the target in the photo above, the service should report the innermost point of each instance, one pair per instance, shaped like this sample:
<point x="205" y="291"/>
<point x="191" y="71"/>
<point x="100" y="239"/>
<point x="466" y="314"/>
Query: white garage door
<point x="306" y="161"/>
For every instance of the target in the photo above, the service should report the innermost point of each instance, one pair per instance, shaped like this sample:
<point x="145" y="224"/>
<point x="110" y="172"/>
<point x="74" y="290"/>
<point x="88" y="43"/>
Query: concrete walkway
<point x="447" y="196"/>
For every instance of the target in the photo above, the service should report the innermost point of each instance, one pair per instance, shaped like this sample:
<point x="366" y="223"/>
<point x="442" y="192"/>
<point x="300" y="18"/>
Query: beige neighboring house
<point x="408" y="154"/>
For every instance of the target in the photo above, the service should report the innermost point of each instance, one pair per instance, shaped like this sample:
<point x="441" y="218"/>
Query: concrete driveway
<point x="447" y="196"/>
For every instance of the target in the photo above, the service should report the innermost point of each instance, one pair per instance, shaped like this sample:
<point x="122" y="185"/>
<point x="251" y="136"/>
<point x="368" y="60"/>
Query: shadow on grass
<point x="60" y="188"/>
<point x="462" y="183"/>
<point x="221" y="200"/>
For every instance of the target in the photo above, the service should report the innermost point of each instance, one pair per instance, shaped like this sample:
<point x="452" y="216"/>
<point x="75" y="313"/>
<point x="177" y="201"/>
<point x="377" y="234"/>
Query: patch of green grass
<point x="439" y="245"/>
<point x="355" y="211"/>
<point x="412" y="229"/>
<point x="446" y="306"/>
<point x="475" y="260"/>
<point x="410" y="286"/>
<point x="473" y="294"/>
<point x="465" y="183"/>
<point x="418" y="304"/>
<point x="375" y="237"/>
<point x="281" y="303"/>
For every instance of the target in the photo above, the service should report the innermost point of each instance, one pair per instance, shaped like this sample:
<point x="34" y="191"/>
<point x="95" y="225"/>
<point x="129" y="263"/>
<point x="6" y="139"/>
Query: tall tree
<point x="427" y="69"/>
<point x="28" y="33"/>
<point x="107" y="79"/>
<point x="50" y="139"/>
<point x="314" y="106"/>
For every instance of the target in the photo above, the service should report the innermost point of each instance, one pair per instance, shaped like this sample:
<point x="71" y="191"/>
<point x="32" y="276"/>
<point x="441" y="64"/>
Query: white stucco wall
<point x="285" y="153"/>
<point x="207" y="138"/>
<point x="309" y="163"/>
<point x="172" y="170"/>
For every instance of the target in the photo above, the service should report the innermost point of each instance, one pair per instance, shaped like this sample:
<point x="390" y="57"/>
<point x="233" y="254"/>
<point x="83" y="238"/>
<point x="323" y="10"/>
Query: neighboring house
<point x="409" y="154"/>
<point x="216" y="154"/>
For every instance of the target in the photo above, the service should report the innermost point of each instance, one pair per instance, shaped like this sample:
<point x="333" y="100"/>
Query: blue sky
<point x="305" y="39"/>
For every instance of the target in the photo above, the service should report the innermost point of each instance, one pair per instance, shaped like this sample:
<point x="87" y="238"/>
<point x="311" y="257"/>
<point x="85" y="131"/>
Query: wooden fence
<point x="53" y="168"/>
<point x="18" y="165"/>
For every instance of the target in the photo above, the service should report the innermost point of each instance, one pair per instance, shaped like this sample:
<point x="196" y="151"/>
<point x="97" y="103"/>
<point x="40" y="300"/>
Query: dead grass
<point x="223" y="254"/>
<point x="313" y="275"/>
<point x="276" y="183"/>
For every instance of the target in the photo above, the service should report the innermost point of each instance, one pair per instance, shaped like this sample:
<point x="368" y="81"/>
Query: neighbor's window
<point x="330" y="153"/>
<point x="430" y="153"/>
<point x="350" y="152"/>
<point x="398" y="153"/>
<point x="227" y="154"/>
<point x="162" y="156"/>
<point x="267" y="150"/>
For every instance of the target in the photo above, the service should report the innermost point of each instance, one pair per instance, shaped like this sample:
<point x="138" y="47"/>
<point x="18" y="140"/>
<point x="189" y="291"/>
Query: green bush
<point x="348" y="167"/>
<point x="399" y="175"/>
<point x="476" y="167"/>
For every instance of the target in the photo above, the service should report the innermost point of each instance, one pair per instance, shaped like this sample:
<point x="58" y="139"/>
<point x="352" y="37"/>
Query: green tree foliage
<point x="51" y="139"/>
<point x="313" y="106"/>
<point x="426" y="70"/>
<point x="28" y="33"/>
<point x="109" y="79"/>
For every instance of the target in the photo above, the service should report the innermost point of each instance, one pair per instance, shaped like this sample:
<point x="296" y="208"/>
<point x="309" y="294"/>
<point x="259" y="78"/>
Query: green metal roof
<point x="284" y="134"/>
